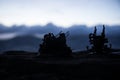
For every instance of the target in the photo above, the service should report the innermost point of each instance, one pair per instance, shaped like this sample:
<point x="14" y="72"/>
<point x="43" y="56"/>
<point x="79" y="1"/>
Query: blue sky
<point x="60" y="12"/>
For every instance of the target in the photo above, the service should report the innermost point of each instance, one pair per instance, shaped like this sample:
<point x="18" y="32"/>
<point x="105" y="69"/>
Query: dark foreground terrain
<point x="26" y="66"/>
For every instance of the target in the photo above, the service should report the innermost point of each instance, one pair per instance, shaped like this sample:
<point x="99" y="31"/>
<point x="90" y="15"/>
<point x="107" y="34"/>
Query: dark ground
<point x="26" y="66"/>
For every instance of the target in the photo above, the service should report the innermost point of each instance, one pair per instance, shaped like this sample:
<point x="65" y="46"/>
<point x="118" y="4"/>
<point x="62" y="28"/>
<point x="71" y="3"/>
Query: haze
<point x="60" y="12"/>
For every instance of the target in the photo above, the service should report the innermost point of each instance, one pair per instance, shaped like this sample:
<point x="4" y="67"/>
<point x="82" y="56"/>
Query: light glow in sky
<point x="60" y="12"/>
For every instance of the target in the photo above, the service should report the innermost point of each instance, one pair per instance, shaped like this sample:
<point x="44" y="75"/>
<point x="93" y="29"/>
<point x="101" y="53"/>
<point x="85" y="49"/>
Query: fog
<point x="28" y="38"/>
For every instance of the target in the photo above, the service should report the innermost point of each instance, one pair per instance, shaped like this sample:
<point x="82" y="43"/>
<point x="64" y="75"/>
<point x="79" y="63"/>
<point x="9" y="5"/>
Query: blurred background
<point x="23" y="23"/>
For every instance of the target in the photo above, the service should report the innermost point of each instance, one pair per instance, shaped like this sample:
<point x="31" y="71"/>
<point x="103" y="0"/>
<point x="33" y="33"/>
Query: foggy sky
<point x="59" y="12"/>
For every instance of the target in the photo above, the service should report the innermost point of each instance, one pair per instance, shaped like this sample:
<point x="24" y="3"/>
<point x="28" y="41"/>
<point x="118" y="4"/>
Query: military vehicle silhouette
<point x="55" y="45"/>
<point x="99" y="42"/>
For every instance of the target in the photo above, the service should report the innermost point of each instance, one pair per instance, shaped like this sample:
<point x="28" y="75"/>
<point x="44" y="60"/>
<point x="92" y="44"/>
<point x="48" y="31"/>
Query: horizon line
<point x="63" y="26"/>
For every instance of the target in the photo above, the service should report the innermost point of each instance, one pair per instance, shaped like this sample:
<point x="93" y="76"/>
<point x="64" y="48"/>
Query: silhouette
<point x="99" y="42"/>
<point x="55" y="45"/>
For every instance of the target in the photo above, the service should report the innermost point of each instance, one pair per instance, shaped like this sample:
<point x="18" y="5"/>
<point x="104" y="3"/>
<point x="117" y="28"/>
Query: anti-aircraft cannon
<point x="99" y="42"/>
<point x="55" y="45"/>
